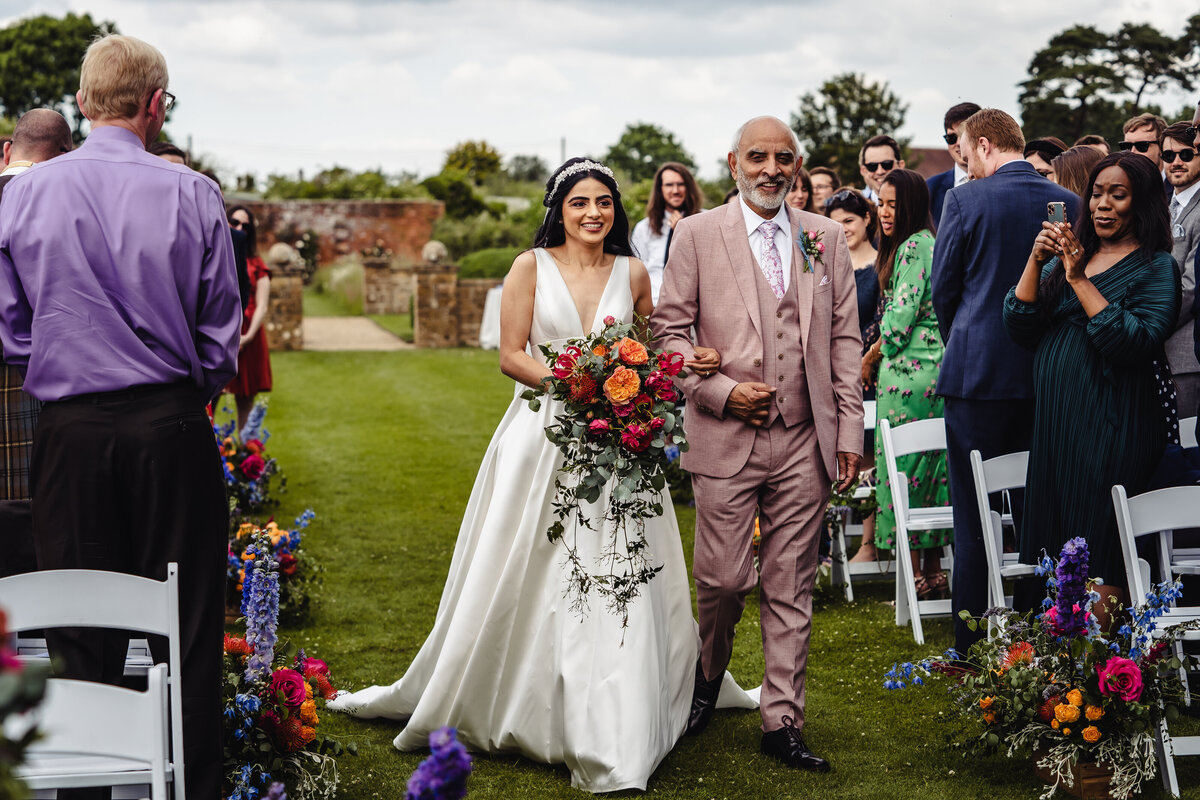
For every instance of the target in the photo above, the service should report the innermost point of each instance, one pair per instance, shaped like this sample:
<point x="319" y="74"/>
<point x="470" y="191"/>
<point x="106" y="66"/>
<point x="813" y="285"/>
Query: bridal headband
<point x="574" y="169"/>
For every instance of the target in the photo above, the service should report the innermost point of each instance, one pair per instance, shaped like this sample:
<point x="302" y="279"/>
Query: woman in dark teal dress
<point x="1095" y="307"/>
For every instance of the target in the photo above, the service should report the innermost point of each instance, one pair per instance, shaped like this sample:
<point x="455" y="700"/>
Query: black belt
<point x="125" y="395"/>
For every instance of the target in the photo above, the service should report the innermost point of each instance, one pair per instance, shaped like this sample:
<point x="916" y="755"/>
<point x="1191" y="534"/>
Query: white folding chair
<point x="95" y="734"/>
<point x="843" y="571"/>
<point x="914" y="437"/>
<point x="999" y="474"/>
<point x="1187" y="432"/>
<point x="1159" y="512"/>
<point x="93" y="599"/>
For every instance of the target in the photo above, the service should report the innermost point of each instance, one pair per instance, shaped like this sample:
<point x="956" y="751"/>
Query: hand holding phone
<point x="1056" y="212"/>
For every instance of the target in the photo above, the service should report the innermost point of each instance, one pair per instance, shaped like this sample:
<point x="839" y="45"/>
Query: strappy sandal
<point x="938" y="584"/>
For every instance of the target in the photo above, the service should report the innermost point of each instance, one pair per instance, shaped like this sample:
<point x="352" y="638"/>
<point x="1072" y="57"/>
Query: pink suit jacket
<point x="709" y="283"/>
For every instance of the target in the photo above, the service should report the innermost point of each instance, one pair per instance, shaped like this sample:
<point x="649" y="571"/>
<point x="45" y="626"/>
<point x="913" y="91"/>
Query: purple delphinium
<point x="276" y="792"/>
<point x="442" y="776"/>
<point x="1071" y="573"/>
<point x="260" y="607"/>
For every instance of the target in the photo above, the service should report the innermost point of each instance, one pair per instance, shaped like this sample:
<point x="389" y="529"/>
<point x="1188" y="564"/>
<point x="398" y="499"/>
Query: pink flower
<point x="635" y="438"/>
<point x="288" y="686"/>
<point x="820" y="247"/>
<point x="1120" y="677"/>
<point x="598" y="426"/>
<point x="610" y="320"/>
<point x="623" y="411"/>
<point x="670" y="363"/>
<point x="564" y="365"/>
<point x="316" y="665"/>
<point x="253" y="466"/>
<point x="656" y="423"/>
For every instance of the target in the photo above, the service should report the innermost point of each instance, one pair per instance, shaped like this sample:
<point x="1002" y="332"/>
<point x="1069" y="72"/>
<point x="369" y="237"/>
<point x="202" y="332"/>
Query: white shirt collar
<point x="960" y="175"/>
<point x="753" y="220"/>
<point x="16" y="168"/>
<point x="1186" y="195"/>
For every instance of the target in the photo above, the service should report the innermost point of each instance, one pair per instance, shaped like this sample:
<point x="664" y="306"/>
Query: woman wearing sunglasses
<point x="254" y="360"/>
<point x="908" y="355"/>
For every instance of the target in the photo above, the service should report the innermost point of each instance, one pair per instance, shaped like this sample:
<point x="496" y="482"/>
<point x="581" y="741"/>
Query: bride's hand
<point x="706" y="362"/>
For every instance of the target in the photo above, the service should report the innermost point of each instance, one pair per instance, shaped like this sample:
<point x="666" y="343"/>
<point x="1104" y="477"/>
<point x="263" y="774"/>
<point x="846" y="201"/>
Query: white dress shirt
<point x="783" y="238"/>
<point x="960" y="175"/>
<point x="651" y="248"/>
<point x="1184" y="198"/>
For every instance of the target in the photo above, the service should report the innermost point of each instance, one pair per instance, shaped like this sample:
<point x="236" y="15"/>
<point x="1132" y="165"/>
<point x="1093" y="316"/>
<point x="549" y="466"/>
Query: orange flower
<point x="307" y="734"/>
<point x="1091" y="734"/>
<point x="600" y="350"/>
<point x="986" y="702"/>
<point x="308" y="713"/>
<point x="1066" y="731"/>
<point x="1054" y="724"/>
<point x="622" y="387"/>
<point x="989" y="717"/>
<point x="1066" y="713"/>
<point x="247" y="556"/>
<point x="1075" y="697"/>
<point x="245" y="529"/>
<point x="1019" y="653"/>
<point x="631" y="351"/>
<point x="1093" y="713"/>
<point x="228" y="448"/>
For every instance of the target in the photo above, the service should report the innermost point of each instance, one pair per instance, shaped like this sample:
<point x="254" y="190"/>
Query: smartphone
<point x="1056" y="212"/>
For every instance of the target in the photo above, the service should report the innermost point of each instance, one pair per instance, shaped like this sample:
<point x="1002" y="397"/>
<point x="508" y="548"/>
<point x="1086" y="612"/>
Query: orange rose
<point x="1091" y="734"/>
<point x="1093" y="713"/>
<point x="622" y="386"/>
<point x="989" y="717"/>
<point x="986" y="702"/>
<point x="1066" y="713"/>
<point x="1075" y="697"/>
<point x="308" y="713"/>
<point x="631" y="351"/>
<point x="600" y="350"/>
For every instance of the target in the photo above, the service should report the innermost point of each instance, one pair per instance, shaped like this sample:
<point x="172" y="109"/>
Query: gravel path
<point x="349" y="333"/>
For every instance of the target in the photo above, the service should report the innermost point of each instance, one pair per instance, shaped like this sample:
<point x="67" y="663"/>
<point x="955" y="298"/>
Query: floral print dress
<point x="907" y="391"/>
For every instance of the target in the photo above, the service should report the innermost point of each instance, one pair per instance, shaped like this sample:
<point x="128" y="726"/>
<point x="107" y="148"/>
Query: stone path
<point x="349" y="333"/>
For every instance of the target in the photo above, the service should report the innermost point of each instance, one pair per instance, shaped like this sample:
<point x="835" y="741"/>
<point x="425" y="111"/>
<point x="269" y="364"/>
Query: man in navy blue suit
<point x="957" y="175"/>
<point x="988" y="227"/>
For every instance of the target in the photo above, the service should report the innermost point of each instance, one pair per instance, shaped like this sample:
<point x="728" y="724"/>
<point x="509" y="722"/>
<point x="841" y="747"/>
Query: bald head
<point x="763" y="124"/>
<point x="40" y="135"/>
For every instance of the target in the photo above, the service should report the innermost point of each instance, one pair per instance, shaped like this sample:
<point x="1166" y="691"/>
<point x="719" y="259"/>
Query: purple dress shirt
<point x="116" y="270"/>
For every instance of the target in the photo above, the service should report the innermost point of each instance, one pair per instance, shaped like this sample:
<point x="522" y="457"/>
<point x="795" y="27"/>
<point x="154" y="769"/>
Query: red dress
<point x="254" y="362"/>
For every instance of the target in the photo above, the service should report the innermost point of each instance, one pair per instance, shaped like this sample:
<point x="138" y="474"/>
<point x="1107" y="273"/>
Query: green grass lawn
<point x="384" y="447"/>
<point x="399" y="325"/>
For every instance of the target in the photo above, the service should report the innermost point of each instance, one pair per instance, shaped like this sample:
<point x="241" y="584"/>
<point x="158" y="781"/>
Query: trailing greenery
<point x="385" y="446"/>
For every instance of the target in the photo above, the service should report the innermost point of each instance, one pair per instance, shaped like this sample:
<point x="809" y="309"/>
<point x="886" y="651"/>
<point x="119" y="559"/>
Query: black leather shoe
<point x="704" y="701"/>
<point x="787" y="745"/>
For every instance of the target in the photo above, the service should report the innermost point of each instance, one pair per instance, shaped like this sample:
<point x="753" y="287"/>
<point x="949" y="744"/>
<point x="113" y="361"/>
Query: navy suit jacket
<point x="938" y="186"/>
<point x="986" y="234"/>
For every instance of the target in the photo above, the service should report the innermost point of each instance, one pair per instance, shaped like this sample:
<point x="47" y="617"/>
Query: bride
<point x="508" y="663"/>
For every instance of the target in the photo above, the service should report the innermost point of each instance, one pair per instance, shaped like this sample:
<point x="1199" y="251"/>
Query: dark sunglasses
<point x="1141" y="147"/>
<point x="872" y="166"/>
<point x="1168" y="156"/>
<point x="1189" y="133"/>
<point x="236" y="223"/>
<point x="951" y="138"/>
<point x="839" y="197"/>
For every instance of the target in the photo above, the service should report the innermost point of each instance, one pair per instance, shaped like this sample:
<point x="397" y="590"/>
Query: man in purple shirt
<point x="118" y="298"/>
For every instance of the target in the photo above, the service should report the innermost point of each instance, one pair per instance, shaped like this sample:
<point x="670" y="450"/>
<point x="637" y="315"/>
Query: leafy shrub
<point x="491" y="263"/>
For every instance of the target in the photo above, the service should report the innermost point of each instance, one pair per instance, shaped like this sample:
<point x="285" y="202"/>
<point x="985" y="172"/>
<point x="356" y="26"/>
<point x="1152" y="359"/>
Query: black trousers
<point x="16" y="538"/>
<point x="994" y="428"/>
<point x="128" y="481"/>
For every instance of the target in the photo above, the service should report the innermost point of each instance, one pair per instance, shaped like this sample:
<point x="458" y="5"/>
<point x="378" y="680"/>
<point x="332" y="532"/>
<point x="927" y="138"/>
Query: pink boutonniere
<point x="813" y="249"/>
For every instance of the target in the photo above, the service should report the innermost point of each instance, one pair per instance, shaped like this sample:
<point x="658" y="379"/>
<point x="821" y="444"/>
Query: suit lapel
<point x="741" y="261"/>
<point x="802" y="280"/>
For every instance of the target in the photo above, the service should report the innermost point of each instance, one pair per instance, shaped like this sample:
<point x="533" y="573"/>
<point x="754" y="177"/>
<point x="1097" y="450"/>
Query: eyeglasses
<point x="951" y="138"/>
<point x="873" y="166"/>
<point x="1141" y="147"/>
<point x="1189" y="133"/>
<point x="1168" y="156"/>
<point x="168" y="100"/>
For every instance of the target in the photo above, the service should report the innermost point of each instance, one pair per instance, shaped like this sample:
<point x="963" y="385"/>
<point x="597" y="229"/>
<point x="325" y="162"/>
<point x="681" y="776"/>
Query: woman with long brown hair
<point x="908" y="355"/>
<point x="1072" y="167"/>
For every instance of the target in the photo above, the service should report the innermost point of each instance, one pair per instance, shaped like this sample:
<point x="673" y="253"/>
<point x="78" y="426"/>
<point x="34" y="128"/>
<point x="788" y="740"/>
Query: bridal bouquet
<point x="619" y="424"/>
<point x="1050" y="683"/>
<point x="272" y="696"/>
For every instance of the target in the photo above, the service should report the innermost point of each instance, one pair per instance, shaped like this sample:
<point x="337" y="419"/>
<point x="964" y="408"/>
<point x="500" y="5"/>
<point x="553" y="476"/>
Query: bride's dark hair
<point x="551" y="233"/>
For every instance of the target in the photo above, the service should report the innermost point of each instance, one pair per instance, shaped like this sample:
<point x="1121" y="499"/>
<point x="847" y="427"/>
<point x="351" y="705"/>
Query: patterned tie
<point x="770" y="263"/>
<point x="1174" y="207"/>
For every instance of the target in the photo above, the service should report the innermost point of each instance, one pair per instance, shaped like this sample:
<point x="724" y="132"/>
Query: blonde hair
<point x="118" y="75"/>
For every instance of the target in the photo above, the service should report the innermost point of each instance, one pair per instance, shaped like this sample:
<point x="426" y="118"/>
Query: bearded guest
<point x="674" y="197"/>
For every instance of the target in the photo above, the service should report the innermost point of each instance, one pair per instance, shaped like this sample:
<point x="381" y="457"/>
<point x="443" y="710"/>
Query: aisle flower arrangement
<point x="1052" y="685"/>
<point x="298" y="574"/>
<point x="21" y="689"/>
<point x="620" y="416"/>
<point x="272" y="698"/>
<point x="251" y="475"/>
<point x="442" y="776"/>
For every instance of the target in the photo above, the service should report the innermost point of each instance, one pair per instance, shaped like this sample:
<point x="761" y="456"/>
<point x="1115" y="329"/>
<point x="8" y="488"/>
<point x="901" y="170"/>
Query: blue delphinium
<point x="442" y="776"/>
<point x="248" y="783"/>
<point x="1071" y="575"/>
<point x="276" y="792"/>
<point x="254" y="423"/>
<point x="260" y="607"/>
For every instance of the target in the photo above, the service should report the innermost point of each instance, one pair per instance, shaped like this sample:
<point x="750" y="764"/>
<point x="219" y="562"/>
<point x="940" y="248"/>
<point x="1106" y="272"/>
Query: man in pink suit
<point x="775" y="426"/>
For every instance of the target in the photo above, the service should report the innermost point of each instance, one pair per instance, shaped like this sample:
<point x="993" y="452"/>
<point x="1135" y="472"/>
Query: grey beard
<point x="759" y="199"/>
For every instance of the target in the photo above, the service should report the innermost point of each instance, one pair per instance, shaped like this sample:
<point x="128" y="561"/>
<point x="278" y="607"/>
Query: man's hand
<point x="750" y="402"/>
<point x="847" y="469"/>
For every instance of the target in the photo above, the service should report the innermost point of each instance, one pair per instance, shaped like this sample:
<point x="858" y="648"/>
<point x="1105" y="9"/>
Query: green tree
<point x="642" y="148"/>
<point x="527" y="168"/>
<point x="340" y="183"/>
<point x="39" y="63"/>
<point x="478" y="160"/>
<point x="833" y="122"/>
<point x="1088" y="81"/>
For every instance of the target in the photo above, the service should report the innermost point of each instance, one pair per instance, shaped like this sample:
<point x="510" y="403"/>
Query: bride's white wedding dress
<point x="508" y="663"/>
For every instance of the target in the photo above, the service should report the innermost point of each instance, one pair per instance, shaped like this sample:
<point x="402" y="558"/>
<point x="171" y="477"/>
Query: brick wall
<point x="346" y="227"/>
<point x="388" y="286"/>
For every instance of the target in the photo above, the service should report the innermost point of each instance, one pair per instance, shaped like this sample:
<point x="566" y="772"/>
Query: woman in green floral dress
<point x="908" y="355"/>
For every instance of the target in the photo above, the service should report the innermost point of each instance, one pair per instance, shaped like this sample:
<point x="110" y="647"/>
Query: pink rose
<point x="598" y="426"/>
<point x="288" y="686"/>
<point x="656" y="423"/>
<point x="623" y="411"/>
<point x="1120" y="677"/>
<point x="635" y="438"/>
<point x="253" y="466"/>
<point x="317" y="666"/>
<point x="610" y="320"/>
<point x="820" y="247"/>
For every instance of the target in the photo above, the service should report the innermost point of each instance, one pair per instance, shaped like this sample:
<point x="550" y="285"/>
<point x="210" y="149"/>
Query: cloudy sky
<point x="304" y="84"/>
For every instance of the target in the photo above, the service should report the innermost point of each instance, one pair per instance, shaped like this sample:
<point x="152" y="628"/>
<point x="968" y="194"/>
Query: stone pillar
<point x="285" y="315"/>
<point x="472" y="294"/>
<point x="435" y="305"/>
<point x="377" y="286"/>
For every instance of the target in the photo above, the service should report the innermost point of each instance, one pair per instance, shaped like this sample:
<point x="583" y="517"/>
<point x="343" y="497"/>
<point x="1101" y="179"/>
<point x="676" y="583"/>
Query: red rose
<point x="287" y="564"/>
<point x="635" y="438"/>
<point x="254" y="446"/>
<point x="253" y="466"/>
<point x="598" y="426"/>
<point x="656" y="423"/>
<point x="287" y="686"/>
<point x="623" y="411"/>
<point x="610" y="320"/>
<point x="315" y="666"/>
<point x="668" y="394"/>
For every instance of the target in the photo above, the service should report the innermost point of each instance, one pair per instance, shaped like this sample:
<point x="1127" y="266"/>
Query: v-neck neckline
<point x="607" y="285"/>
